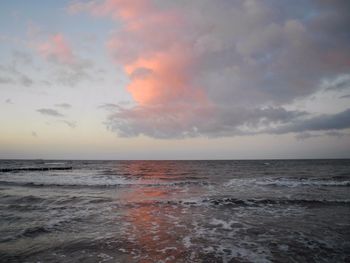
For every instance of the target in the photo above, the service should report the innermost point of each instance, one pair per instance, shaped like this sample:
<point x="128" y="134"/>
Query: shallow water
<point x="176" y="211"/>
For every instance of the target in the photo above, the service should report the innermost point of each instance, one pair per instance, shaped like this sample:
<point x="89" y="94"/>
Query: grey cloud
<point x="109" y="106"/>
<point x="250" y="54"/>
<point x="25" y="80"/>
<point x="336" y="134"/>
<point x="20" y="58"/>
<point x="269" y="53"/>
<point x="6" y="80"/>
<point x="75" y="73"/>
<point x="50" y="112"/>
<point x="71" y="124"/>
<point x="308" y="135"/>
<point x="345" y="96"/>
<point x="8" y="101"/>
<point x="11" y="74"/>
<point x="101" y="70"/>
<point x="338" y="84"/>
<point x="34" y="134"/>
<point x="46" y="83"/>
<point x="324" y="122"/>
<point x="63" y="105"/>
<point x="174" y="122"/>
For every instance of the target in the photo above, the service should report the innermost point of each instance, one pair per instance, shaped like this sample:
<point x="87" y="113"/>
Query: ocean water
<point x="175" y="211"/>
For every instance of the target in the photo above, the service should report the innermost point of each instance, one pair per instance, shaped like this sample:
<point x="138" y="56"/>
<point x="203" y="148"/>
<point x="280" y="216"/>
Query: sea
<point x="175" y="211"/>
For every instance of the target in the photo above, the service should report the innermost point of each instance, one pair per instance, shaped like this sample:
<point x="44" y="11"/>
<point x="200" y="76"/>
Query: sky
<point x="174" y="79"/>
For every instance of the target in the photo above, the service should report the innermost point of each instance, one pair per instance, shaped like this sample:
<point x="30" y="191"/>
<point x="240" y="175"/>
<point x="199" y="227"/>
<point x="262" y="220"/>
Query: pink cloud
<point x="125" y="9"/>
<point x="212" y="67"/>
<point x="158" y="58"/>
<point x="57" y="48"/>
<point x="152" y="41"/>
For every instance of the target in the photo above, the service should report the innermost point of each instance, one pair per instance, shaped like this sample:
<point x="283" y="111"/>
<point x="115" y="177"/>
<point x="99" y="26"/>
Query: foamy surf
<point x="174" y="211"/>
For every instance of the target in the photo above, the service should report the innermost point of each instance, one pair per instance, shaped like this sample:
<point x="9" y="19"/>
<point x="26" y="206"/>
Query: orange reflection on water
<point x="156" y="226"/>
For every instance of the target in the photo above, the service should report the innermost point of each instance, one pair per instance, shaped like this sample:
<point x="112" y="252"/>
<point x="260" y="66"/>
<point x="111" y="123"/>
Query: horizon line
<point x="247" y="159"/>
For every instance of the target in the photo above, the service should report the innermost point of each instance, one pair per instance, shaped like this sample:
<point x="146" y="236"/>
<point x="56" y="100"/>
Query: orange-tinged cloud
<point x="57" y="48"/>
<point x="153" y="49"/>
<point x="163" y="79"/>
<point x="126" y="9"/>
<point x="219" y="68"/>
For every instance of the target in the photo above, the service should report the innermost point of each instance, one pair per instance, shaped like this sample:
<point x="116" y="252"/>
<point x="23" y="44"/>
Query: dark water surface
<point x="176" y="211"/>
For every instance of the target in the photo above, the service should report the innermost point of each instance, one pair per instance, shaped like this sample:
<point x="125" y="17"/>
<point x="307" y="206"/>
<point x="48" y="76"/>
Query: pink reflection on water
<point x="156" y="226"/>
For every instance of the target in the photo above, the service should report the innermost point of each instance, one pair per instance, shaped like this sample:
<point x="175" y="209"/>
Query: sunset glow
<point x="148" y="72"/>
<point x="174" y="131"/>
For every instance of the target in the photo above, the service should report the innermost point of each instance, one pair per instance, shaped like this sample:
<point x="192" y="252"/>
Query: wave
<point x="35" y="231"/>
<point x="34" y="169"/>
<point x="31" y="232"/>
<point x="261" y="202"/>
<point x="102" y="185"/>
<point x="297" y="183"/>
<point x="235" y="202"/>
<point x="22" y="199"/>
<point x="63" y="185"/>
<point x="344" y="176"/>
<point x="286" y="182"/>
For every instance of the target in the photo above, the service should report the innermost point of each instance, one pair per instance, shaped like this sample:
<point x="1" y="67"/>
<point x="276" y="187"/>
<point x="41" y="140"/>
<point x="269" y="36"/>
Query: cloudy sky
<point x="175" y="79"/>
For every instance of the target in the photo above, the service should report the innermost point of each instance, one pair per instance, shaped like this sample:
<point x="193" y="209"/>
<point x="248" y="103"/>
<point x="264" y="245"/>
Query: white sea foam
<point x="259" y="218"/>
<point x="187" y="241"/>
<point x="285" y="182"/>
<point x="303" y="182"/>
<point x="63" y="179"/>
<point x="223" y="224"/>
